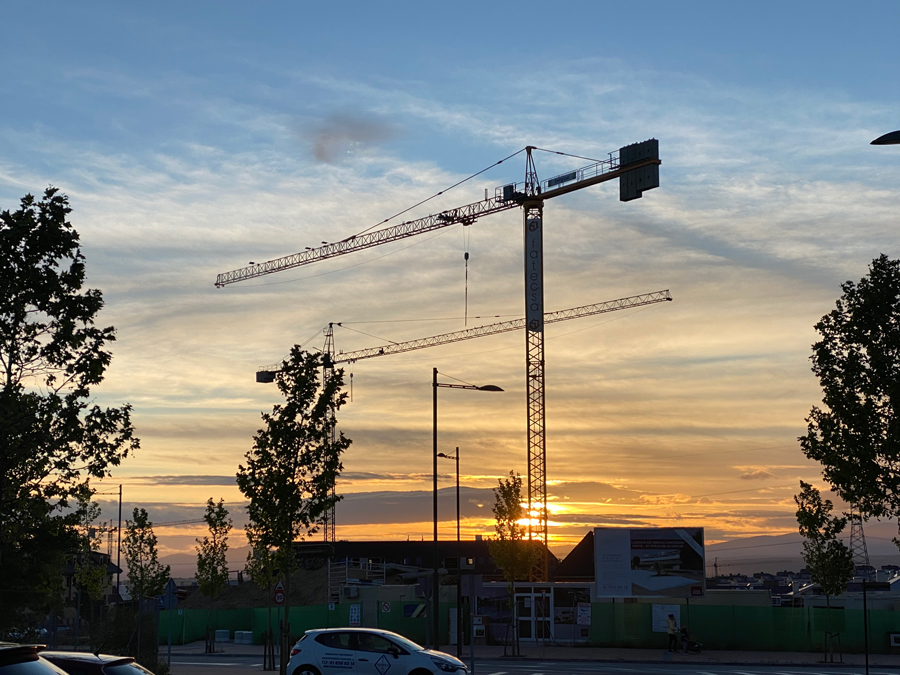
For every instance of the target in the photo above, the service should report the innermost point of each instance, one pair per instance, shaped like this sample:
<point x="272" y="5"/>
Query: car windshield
<point x="408" y="645"/>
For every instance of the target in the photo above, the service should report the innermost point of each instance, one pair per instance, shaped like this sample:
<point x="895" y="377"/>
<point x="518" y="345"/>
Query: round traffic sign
<point x="278" y="597"/>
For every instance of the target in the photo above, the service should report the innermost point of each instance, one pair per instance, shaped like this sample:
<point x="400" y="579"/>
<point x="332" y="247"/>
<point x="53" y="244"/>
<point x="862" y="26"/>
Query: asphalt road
<point x="237" y="665"/>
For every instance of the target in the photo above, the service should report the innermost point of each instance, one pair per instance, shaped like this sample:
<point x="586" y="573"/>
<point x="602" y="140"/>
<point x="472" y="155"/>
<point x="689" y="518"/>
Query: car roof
<point x="350" y="629"/>
<point x="11" y="652"/>
<point x="86" y="657"/>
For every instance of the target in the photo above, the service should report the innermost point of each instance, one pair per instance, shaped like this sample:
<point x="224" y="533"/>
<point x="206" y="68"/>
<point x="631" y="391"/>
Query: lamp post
<point x="435" y="594"/>
<point x="892" y="138"/>
<point x="458" y="568"/>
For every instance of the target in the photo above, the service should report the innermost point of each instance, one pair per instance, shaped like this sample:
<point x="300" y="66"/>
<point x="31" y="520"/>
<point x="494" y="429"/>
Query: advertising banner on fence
<point x="652" y="562"/>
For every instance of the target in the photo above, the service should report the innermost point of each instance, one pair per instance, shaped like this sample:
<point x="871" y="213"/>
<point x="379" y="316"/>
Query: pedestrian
<point x="672" y="629"/>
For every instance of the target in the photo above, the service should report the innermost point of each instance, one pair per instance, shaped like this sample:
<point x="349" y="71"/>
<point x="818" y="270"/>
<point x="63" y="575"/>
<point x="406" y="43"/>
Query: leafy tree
<point x="511" y="553"/>
<point x="212" y="565"/>
<point x="827" y="558"/>
<point x="91" y="576"/>
<point x="263" y="567"/>
<point x="53" y="439"/>
<point x="856" y="437"/>
<point x="146" y="575"/>
<point x="295" y="459"/>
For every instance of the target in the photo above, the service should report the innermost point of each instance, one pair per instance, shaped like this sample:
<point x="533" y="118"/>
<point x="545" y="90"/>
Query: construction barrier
<point x="796" y="629"/>
<point x="793" y="629"/>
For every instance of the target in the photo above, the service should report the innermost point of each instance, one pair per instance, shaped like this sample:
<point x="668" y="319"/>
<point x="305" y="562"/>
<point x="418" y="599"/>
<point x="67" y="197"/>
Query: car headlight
<point x="446" y="666"/>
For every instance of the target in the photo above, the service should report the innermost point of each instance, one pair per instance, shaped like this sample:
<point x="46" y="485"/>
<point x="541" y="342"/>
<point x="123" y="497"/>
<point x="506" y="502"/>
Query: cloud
<point x="755" y="224"/>
<point x="666" y="500"/>
<point x="758" y="474"/>
<point x="184" y="480"/>
<point x="342" y="134"/>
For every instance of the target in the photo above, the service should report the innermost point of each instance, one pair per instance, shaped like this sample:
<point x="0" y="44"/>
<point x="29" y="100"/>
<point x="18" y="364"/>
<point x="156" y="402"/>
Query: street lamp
<point x="458" y="569"/>
<point x="441" y="454"/>
<point x="435" y="594"/>
<point x="892" y="138"/>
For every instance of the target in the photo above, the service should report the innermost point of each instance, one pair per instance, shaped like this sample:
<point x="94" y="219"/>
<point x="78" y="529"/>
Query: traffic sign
<point x="278" y="597"/>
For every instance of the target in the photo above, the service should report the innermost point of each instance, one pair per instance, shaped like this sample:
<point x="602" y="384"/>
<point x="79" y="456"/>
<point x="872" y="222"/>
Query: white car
<point x="367" y="651"/>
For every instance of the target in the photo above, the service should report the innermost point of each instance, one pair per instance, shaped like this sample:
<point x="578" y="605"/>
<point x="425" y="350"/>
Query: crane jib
<point x="464" y="214"/>
<point x="637" y="166"/>
<point x="266" y="374"/>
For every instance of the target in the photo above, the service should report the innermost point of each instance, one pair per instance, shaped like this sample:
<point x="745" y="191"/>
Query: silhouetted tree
<point x="212" y="563"/>
<point x="294" y="463"/>
<point x="90" y="575"/>
<point x="146" y="575"/>
<point x="212" y="549"/>
<point x="511" y="553"/>
<point x="856" y="437"/>
<point x="53" y="440"/>
<point x="828" y="560"/>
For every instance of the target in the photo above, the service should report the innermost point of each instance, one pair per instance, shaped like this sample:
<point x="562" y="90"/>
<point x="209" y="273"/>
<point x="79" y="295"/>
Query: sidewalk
<point x="602" y="654"/>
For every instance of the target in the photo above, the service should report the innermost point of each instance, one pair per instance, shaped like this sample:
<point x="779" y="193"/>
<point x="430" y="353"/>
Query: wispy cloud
<point x="765" y="207"/>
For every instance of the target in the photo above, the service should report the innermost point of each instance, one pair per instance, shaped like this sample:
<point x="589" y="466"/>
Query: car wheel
<point x="306" y="670"/>
<point x="421" y="671"/>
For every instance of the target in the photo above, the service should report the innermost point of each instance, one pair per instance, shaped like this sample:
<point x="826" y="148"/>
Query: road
<point x="236" y="665"/>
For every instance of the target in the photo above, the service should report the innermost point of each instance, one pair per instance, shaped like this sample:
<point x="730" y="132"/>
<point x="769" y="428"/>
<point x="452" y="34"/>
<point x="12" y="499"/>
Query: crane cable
<point x="437" y="194"/>
<point x="466" y="239"/>
<point x="566" y="154"/>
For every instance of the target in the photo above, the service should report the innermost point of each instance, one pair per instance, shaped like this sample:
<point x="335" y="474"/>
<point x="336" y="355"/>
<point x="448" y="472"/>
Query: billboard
<point x="654" y="562"/>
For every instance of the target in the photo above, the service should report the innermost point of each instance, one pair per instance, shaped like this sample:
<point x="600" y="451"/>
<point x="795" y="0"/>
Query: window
<point x="336" y="640"/>
<point x="368" y="642"/>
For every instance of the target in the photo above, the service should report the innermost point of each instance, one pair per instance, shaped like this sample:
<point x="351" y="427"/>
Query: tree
<point x="146" y="575"/>
<point x="90" y="574"/>
<point x="53" y="439"/>
<point x="828" y="560"/>
<point x="263" y="567"/>
<point x="295" y="460"/>
<point x="856" y="437"/>
<point x="511" y="553"/>
<point x="212" y="565"/>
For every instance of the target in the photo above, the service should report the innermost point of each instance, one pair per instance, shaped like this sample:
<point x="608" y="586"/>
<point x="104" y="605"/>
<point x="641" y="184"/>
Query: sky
<point x="193" y="138"/>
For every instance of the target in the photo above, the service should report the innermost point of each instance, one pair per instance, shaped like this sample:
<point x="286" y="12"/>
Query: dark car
<point x="18" y="659"/>
<point x="84" y="663"/>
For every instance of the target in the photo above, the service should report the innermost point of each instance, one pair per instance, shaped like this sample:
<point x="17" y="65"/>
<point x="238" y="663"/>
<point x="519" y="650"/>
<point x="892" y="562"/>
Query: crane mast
<point x="327" y="374"/>
<point x="637" y="168"/>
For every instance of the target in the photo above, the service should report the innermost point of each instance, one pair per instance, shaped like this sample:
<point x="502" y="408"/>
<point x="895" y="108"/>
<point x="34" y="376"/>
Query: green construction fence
<point x="794" y="629"/>
<point x="190" y="625"/>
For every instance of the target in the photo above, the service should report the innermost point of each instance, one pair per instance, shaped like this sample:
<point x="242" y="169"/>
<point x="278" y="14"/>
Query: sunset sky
<point x="193" y="138"/>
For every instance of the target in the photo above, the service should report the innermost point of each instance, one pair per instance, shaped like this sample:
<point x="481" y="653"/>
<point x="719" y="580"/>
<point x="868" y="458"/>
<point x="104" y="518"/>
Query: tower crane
<point x="266" y="374"/>
<point x="637" y="168"/>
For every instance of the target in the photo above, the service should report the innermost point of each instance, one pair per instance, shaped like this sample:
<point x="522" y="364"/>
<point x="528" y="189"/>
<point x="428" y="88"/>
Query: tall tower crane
<point x="637" y="168"/>
<point x="266" y="374"/>
<point x="331" y="358"/>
